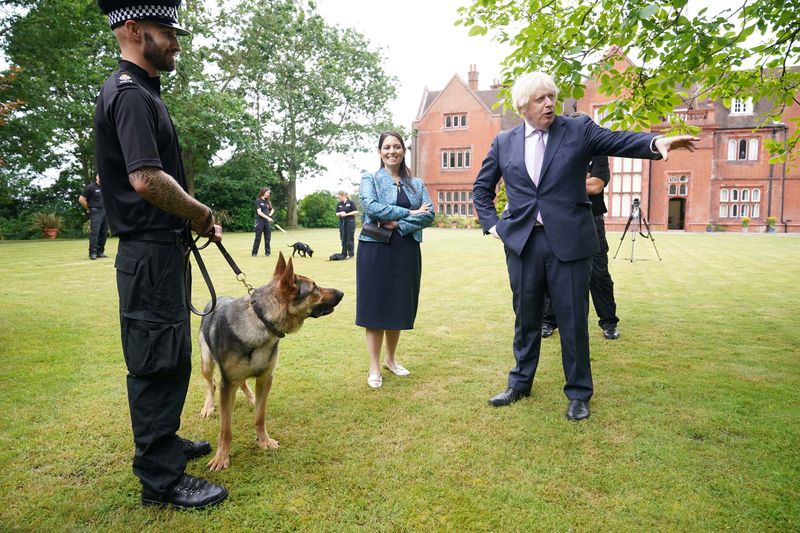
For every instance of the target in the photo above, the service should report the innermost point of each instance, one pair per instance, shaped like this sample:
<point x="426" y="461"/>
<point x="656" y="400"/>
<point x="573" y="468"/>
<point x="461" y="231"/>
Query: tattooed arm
<point x="161" y="190"/>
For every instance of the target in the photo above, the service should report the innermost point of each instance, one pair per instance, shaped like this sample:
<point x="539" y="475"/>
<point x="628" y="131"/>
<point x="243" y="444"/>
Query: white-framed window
<point x="625" y="185"/>
<point x="455" y="120"/>
<point x="456" y="158"/>
<point x="600" y="116"/>
<point x="741" y="149"/>
<point x="679" y="185"/>
<point x="457" y="203"/>
<point x="735" y="203"/>
<point x="741" y="106"/>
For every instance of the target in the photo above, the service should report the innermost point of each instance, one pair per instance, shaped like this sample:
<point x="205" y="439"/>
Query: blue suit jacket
<point x="561" y="194"/>
<point x="378" y="195"/>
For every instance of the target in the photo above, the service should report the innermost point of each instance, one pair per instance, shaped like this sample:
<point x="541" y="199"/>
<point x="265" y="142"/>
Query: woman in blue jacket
<point x="388" y="273"/>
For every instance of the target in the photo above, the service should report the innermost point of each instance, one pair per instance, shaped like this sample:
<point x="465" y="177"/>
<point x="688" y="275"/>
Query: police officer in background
<point x="144" y="192"/>
<point x="601" y="286"/>
<point x="346" y="211"/>
<point x="91" y="199"/>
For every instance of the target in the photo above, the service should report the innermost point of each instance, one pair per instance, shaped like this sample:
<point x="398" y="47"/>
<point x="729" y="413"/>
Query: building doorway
<point x="677" y="212"/>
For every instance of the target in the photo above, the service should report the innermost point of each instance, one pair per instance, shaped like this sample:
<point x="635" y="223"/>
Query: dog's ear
<point x="287" y="281"/>
<point x="280" y="266"/>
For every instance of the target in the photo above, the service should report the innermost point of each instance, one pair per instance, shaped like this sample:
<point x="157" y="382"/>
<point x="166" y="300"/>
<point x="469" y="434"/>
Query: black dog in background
<point x="302" y="248"/>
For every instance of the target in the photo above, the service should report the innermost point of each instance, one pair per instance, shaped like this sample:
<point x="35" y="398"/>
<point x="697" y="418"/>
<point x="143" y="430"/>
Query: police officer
<point x="601" y="286"/>
<point x="91" y="199"/>
<point x="144" y="192"/>
<point x="346" y="211"/>
<point x="264" y="212"/>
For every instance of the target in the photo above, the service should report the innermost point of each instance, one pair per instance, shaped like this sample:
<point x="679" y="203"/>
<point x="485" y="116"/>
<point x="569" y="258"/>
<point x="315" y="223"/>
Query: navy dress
<point x="387" y="279"/>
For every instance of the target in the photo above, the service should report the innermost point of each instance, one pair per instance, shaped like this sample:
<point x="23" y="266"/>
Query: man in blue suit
<point x="547" y="228"/>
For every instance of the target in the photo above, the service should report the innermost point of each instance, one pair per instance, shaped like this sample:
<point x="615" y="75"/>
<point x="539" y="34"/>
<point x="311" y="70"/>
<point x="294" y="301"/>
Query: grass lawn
<point x="695" y="420"/>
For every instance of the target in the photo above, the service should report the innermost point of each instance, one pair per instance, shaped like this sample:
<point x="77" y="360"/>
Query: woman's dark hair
<point x="262" y="191"/>
<point x="404" y="171"/>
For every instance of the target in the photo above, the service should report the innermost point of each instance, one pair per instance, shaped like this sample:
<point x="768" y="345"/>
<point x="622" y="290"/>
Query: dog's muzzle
<point x="327" y="305"/>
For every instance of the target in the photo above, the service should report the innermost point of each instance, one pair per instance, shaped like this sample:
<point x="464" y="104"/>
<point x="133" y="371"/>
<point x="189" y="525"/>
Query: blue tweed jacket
<point x="378" y="195"/>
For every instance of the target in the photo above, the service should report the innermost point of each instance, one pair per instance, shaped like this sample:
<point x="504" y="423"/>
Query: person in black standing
<point x="346" y="211"/>
<point x="601" y="286"/>
<point x="144" y="192"/>
<point x="264" y="212"/>
<point x="91" y="199"/>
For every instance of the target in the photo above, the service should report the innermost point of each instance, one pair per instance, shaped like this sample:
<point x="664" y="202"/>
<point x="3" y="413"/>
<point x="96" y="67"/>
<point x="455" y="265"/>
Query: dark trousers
<point x="262" y="227"/>
<point x="601" y="286"/>
<point x="98" y="231"/>
<point x="530" y="273"/>
<point x="156" y="343"/>
<point x="347" y="232"/>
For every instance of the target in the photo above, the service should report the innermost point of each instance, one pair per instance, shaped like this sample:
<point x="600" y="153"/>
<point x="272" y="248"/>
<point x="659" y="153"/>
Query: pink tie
<point x="538" y="157"/>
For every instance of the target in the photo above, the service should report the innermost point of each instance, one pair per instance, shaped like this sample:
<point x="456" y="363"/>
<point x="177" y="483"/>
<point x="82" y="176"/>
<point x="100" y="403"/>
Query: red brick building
<point x="727" y="178"/>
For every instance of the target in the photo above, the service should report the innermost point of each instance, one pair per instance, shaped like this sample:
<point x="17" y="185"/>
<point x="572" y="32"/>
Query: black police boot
<point x="193" y="449"/>
<point x="188" y="493"/>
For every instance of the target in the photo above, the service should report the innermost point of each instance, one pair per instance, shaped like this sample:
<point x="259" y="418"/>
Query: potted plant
<point x="771" y="224"/>
<point x="709" y="228"/>
<point x="745" y="224"/>
<point x="47" y="223"/>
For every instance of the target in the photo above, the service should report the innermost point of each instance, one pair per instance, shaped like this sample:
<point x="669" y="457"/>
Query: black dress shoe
<point x="611" y="333"/>
<point x="507" y="397"/>
<point x="188" y="493"/>
<point x="193" y="449"/>
<point x="578" y="410"/>
<point x="92" y="256"/>
<point x="547" y="330"/>
<point x="101" y="255"/>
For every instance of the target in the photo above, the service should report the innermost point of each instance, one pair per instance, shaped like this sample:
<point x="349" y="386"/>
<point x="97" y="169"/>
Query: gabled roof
<point x="485" y="98"/>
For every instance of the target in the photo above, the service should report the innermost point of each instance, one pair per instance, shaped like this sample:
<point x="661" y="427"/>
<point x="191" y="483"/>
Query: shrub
<point x="44" y="221"/>
<point x="318" y="210"/>
<point x="745" y="222"/>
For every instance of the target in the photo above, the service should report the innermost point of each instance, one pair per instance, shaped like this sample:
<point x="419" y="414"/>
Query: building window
<point x="735" y="203"/>
<point x="742" y="106"/>
<point x="752" y="152"/>
<point x="679" y="185"/>
<point x="456" y="158"/>
<point x="458" y="203"/>
<point x="441" y="196"/>
<point x="455" y="121"/>
<point x="743" y="150"/>
<point x="626" y="184"/>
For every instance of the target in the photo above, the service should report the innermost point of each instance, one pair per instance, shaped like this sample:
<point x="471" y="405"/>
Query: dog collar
<point x="270" y="326"/>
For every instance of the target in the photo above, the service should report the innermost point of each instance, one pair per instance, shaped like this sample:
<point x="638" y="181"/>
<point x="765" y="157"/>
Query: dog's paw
<point x="268" y="443"/>
<point x="206" y="411"/>
<point x="220" y="462"/>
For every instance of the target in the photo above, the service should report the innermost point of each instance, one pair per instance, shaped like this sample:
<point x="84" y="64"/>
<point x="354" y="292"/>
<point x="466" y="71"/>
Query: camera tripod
<point x="638" y="219"/>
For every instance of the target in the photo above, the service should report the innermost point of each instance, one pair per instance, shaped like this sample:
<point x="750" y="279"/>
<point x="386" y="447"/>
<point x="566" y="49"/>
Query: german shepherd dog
<point x="242" y="335"/>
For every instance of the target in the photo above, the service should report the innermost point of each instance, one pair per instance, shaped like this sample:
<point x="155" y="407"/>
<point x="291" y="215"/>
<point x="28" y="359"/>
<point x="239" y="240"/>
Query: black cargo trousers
<point x="156" y="343"/>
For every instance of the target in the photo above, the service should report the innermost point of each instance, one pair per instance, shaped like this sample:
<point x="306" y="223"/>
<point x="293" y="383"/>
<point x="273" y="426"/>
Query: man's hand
<point x="665" y="144"/>
<point x="493" y="231"/>
<point x="205" y="227"/>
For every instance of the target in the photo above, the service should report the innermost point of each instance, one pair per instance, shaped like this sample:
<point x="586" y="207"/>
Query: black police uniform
<point x="98" y="227"/>
<point x="262" y="226"/>
<point x="347" y="227"/>
<point x="601" y="286"/>
<point x="134" y="130"/>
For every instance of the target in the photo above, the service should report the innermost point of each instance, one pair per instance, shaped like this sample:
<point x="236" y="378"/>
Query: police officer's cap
<point x="164" y="12"/>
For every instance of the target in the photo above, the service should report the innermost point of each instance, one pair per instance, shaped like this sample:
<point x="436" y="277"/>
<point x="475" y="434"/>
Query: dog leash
<point x="193" y="249"/>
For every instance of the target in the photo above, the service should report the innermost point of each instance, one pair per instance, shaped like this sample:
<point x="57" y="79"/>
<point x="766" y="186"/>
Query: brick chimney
<point x="473" y="77"/>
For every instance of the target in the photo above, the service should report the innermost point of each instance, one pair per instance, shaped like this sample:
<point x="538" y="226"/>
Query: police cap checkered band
<point x="143" y="12"/>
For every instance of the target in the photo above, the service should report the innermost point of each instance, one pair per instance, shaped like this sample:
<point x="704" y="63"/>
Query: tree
<point x="312" y="88"/>
<point x="318" y="210"/>
<point x="742" y="51"/>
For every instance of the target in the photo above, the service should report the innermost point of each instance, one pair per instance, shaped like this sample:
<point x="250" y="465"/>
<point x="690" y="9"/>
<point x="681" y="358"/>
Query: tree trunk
<point x="291" y="200"/>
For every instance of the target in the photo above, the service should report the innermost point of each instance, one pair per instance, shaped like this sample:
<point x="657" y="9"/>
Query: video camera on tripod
<point x="638" y="216"/>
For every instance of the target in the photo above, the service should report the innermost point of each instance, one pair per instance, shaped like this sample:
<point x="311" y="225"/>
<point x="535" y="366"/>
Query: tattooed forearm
<point x="161" y="190"/>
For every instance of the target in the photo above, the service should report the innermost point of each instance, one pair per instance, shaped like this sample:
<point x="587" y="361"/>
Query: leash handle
<point x="192" y="249"/>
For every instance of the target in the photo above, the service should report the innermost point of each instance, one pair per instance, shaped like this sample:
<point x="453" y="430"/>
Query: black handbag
<point x="376" y="232"/>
